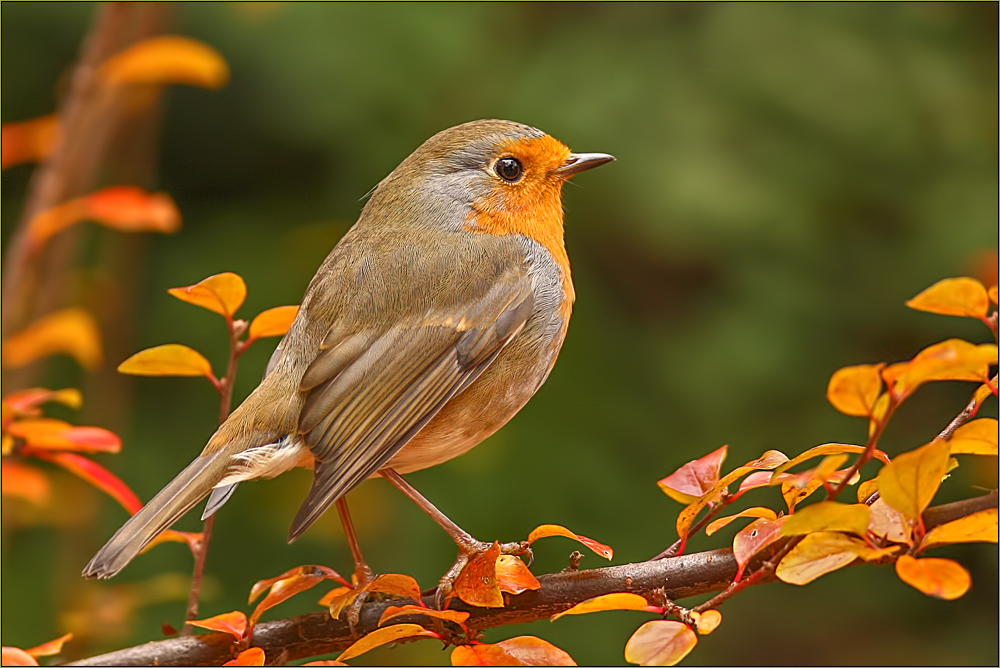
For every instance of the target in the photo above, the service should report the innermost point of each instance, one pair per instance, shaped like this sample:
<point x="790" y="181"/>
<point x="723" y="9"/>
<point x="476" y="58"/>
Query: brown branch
<point x="316" y="633"/>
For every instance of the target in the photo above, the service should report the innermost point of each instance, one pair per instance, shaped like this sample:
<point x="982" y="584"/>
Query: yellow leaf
<point x="866" y="489"/>
<point x="660" y="643"/>
<point x="623" y="601"/>
<point x="953" y="359"/>
<point x="909" y="483"/>
<point x="71" y="331"/>
<point x="993" y="294"/>
<point x="168" y="59"/>
<point x="824" y="450"/>
<point x="818" y="554"/>
<point x="172" y="359"/>
<point x="854" y="389"/>
<point x="708" y="621"/>
<point x="940" y="578"/>
<point x="382" y="636"/>
<point x="766" y="513"/>
<point x="953" y="296"/>
<point x="393" y="611"/>
<point x="828" y="516"/>
<point x="273" y="322"/>
<point x="223" y="293"/>
<point x="978" y="437"/>
<point x="978" y="527"/>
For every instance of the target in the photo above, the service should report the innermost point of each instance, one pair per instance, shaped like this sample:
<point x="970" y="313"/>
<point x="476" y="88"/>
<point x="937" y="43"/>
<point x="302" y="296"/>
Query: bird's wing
<point x="368" y="393"/>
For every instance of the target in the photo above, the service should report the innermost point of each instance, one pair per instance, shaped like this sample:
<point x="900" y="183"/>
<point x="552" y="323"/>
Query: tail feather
<point x="181" y="494"/>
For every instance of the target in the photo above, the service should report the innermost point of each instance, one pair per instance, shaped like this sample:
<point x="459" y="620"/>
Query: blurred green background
<point x="788" y="175"/>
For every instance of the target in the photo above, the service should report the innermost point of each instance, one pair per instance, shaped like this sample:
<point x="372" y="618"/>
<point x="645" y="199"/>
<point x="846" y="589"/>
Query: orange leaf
<point x="234" y="623"/>
<point x="50" y="648"/>
<point x="978" y="437"/>
<point x="824" y="552"/>
<point x="272" y="322"/>
<point x="25" y="482"/>
<point x="546" y="530"/>
<point x="171" y="359"/>
<point x="132" y="209"/>
<point x="953" y="359"/>
<point x="513" y="576"/>
<point x="338" y="599"/>
<point x="940" y="578"/>
<point x="191" y="539"/>
<point x="12" y="656"/>
<point x="953" y="296"/>
<point x="393" y="612"/>
<point x="248" y="657"/>
<point x="708" y="621"/>
<point x="394" y="583"/>
<point x="299" y="580"/>
<point x="766" y="513"/>
<point x="477" y="583"/>
<point x="623" y="601"/>
<point x="828" y="516"/>
<point x="660" y="643"/>
<point x="261" y="586"/>
<point x="167" y="59"/>
<point x="753" y="538"/>
<point x="328" y="662"/>
<point x="909" y="483"/>
<point x="854" y="389"/>
<point x="993" y="294"/>
<point x="95" y="474"/>
<point x="223" y="293"/>
<point x="71" y="331"/>
<point x="768" y="461"/>
<point x="385" y="635"/>
<point x="695" y="478"/>
<point x="49" y="434"/>
<point x="974" y="528"/>
<point x="123" y="208"/>
<point x="28" y="141"/>
<point x="520" y="651"/>
<point x="889" y="523"/>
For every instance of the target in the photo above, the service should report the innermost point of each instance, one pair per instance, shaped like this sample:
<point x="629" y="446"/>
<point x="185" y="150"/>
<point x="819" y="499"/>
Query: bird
<point x="429" y="325"/>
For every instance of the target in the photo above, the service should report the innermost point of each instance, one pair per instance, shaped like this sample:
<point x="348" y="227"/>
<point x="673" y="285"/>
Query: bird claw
<point x="466" y="551"/>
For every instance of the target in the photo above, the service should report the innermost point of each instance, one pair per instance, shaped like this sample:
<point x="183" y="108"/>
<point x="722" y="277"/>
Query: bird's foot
<point x="362" y="577"/>
<point x="468" y="549"/>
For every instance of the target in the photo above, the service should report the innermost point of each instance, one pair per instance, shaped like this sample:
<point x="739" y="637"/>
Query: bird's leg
<point x="363" y="574"/>
<point x="468" y="546"/>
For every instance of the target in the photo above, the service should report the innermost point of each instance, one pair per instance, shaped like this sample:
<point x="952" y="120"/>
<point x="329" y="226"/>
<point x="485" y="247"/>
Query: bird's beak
<point x="579" y="162"/>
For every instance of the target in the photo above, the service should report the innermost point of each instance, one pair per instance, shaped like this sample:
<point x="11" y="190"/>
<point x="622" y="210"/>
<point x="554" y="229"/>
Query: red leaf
<point x="753" y="538"/>
<point x="234" y="623"/>
<point x="24" y="402"/>
<point x="95" y="474"/>
<point x="49" y="434"/>
<point x="546" y="530"/>
<point x="695" y="478"/>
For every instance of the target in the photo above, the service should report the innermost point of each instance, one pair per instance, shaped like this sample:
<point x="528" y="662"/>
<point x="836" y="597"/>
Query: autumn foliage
<point x="836" y="511"/>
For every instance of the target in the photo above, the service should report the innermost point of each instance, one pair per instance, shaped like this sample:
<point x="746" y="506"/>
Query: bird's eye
<point x="509" y="169"/>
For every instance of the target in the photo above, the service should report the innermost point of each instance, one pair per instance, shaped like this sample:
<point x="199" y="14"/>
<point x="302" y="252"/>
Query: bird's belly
<point x="485" y="406"/>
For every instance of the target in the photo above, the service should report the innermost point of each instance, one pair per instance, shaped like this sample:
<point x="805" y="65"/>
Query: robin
<point x="431" y="323"/>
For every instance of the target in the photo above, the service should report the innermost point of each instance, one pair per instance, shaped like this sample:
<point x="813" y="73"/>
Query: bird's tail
<point x="180" y="495"/>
